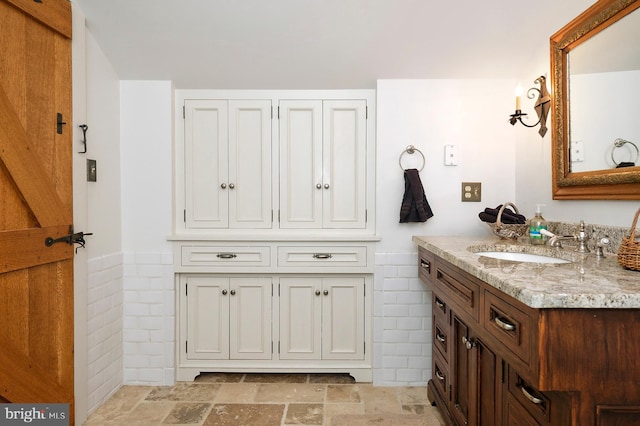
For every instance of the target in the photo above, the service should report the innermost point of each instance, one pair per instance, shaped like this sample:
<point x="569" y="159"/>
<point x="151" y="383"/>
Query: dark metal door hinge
<point x="59" y="123"/>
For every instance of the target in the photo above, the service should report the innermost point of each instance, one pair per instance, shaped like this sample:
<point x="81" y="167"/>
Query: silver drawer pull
<point x="439" y="375"/>
<point x="441" y="338"/>
<point x="426" y="265"/>
<point x="226" y="256"/>
<point x="503" y="324"/>
<point x="531" y="397"/>
<point x="322" y="256"/>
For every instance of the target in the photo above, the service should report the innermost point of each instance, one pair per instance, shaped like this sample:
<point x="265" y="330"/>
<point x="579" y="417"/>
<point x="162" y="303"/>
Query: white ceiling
<point x="322" y="44"/>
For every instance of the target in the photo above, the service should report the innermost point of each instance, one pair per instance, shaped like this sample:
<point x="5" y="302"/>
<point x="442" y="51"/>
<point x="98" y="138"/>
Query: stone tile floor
<point x="260" y="399"/>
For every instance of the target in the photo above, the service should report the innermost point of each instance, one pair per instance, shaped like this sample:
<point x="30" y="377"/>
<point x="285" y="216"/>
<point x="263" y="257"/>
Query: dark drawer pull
<point x="530" y="397"/>
<point x="441" y="337"/>
<point x="439" y="303"/>
<point x="226" y="256"/>
<point x="322" y="256"/>
<point x="439" y="375"/>
<point x="503" y="324"/>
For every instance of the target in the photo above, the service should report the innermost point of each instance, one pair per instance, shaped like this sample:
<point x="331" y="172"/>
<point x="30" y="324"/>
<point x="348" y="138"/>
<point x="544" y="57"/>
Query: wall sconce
<point x="542" y="106"/>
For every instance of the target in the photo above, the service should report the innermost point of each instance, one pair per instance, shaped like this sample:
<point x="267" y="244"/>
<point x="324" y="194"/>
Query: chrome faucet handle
<point x="601" y="244"/>
<point x="582" y="239"/>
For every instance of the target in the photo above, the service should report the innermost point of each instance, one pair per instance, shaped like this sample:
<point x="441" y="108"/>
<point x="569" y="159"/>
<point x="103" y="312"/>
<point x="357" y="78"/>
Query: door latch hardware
<point x="59" y="123"/>
<point x="71" y="239"/>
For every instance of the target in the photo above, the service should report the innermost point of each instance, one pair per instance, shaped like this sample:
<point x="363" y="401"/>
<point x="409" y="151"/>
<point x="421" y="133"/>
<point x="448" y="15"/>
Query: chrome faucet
<point x="582" y="237"/>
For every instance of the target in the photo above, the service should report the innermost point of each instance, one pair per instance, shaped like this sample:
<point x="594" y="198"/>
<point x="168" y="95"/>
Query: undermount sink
<point x="522" y="257"/>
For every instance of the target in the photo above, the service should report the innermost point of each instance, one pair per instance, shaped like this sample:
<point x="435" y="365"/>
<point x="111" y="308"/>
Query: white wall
<point x="149" y="319"/>
<point x="429" y="114"/>
<point x="104" y="298"/>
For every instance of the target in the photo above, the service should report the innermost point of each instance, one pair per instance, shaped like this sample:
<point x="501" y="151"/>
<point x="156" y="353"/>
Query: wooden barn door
<point x="36" y="280"/>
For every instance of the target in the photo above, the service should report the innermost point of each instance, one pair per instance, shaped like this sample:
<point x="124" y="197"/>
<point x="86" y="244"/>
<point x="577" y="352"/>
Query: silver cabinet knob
<point x="231" y="186"/>
<point x="319" y="186"/>
<point x="317" y="292"/>
<point x="326" y="186"/>
<point x="326" y="292"/>
<point x="233" y="292"/>
<point x="224" y="292"/>
<point x="223" y="186"/>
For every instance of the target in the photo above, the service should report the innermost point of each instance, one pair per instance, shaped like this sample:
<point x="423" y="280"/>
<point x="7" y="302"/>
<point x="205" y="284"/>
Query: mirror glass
<point x="604" y="83"/>
<point x="595" y="64"/>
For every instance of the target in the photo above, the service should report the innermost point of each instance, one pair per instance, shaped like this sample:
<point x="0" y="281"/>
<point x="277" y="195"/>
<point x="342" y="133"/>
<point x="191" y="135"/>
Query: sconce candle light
<point x="542" y="106"/>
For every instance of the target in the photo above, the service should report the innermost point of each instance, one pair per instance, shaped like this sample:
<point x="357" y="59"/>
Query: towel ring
<point x="619" y="143"/>
<point x="410" y="150"/>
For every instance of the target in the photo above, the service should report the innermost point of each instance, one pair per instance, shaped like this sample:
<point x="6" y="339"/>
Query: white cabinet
<point x="322" y="318"/>
<point x="227" y="155"/>
<point x="323" y="173"/>
<point x="226" y="317"/>
<point x="259" y="297"/>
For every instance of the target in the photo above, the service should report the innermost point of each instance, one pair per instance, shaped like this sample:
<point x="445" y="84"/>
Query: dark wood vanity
<point x="497" y="361"/>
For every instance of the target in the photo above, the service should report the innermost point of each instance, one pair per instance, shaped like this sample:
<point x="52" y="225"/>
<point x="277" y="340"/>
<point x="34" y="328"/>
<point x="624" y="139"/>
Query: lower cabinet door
<point x="300" y="318"/>
<point x="322" y="318"/>
<point x="343" y="318"/>
<point x="207" y="303"/>
<point x="227" y="318"/>
<point x="250" y="318"/>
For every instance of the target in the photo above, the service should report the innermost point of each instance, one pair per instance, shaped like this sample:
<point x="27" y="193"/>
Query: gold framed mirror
<point x="580" y="58"/>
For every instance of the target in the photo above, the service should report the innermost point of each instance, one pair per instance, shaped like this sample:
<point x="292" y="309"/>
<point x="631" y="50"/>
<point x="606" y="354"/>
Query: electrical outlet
<point x="471" y="191"/>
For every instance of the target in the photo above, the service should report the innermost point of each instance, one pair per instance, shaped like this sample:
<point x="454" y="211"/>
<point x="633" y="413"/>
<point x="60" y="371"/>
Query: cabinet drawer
<point x="440" y="376"/>
<point x="225" y="256"/>
<point x="511" y="325"/>
<point x="460" y="288"/>
<point x="440" y="309"/>
<point x="296" y="256"/>
<point x="525" y="397"/>
<point x="426" y="266"/>
<point x="441" y="337"/>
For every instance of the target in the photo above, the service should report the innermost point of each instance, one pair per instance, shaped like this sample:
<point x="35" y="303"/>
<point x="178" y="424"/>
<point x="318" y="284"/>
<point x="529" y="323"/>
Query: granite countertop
<point x="586" y="282"/>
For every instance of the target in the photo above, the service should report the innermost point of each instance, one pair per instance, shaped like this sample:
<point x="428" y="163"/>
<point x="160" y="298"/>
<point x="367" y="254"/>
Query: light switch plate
<point x="92" y="170"/>
<point x="471" y="191"/>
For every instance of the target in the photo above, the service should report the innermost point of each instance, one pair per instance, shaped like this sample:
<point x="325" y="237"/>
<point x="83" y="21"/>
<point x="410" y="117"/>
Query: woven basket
<point x="629" y="251"/>
<point x="508" y="231"/>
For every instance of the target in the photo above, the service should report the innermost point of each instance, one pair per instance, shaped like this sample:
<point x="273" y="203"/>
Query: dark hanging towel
<point x="415" y="207"/>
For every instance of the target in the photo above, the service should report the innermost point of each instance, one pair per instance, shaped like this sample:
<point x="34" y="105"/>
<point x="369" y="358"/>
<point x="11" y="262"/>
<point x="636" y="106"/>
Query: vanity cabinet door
<point x="475" y="378"/>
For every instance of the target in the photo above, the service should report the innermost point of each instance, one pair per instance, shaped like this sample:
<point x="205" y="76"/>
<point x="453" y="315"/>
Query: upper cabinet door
<point x="228" y="164"/>
<point x="344" y="163"/>
<point x="250" y="164"/>
<point x="301" y="183"/>
<point x="206" y="164"/>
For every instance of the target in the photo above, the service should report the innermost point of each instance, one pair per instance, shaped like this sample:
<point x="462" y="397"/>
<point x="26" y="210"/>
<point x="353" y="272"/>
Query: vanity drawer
<point x="511" y="324"/>
<point x="524" y="401"/>
<point x="441" y="337"/>
<point x="460" y="288"/>
<point x="196" y="256"/>
<point x="426" y="266"/>
<point x="440" y="377"/>
<point x="440" y="308"/>
<point x="324" y="256"/>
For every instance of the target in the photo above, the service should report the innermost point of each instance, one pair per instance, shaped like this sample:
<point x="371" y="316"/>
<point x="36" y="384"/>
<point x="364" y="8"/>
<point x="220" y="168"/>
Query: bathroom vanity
<point x="525" y="343"/>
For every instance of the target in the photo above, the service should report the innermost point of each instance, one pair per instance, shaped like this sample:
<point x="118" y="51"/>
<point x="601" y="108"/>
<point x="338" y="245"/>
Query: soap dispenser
<point x="535" y="225"/>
